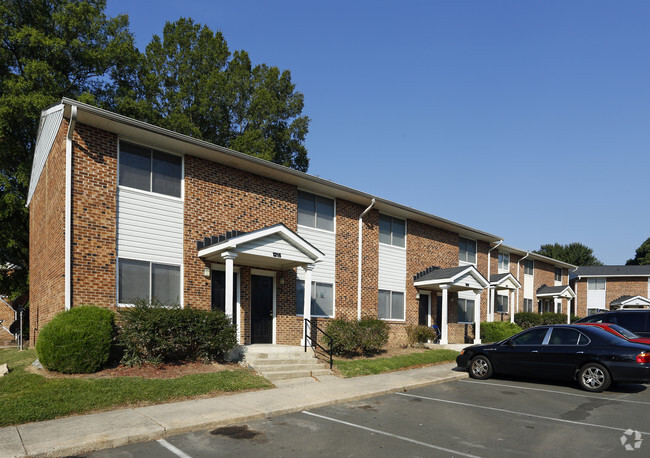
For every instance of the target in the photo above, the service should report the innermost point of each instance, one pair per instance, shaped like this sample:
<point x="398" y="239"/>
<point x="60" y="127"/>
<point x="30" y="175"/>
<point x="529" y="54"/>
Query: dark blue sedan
<point x="590" y="355"/>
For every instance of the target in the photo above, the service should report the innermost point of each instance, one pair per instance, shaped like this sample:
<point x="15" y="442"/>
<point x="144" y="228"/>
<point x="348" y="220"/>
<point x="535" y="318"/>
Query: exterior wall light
<point x="206" y="272"/>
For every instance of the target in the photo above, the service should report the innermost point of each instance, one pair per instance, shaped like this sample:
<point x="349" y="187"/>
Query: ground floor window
<point x="465" y="311"/>
<point x="502" y="303"/>
<point x="528" y="305"/>
<point x="144" y="280"/>
<point x="322" y="298"/>
<point x="391" y="305"/>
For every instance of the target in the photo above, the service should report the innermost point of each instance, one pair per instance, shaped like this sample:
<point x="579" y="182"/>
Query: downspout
<point x="372" y="203"/>
<point x="490" y="316"/>
<point x="519" y="265"/>
<point x="68" y="207"/>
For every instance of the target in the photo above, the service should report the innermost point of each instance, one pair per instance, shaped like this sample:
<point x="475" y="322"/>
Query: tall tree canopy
<point x="48" y="49"/>
<point x="642" y="256"/>
<point x="189" y="82"/>
<point x="573" y="253"/>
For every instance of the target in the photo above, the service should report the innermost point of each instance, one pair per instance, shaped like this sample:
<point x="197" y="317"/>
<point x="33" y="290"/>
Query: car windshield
<point x="624" y="332"/>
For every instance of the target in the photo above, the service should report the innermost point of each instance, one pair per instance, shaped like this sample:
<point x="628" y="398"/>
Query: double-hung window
<point x="558" y="274"/>
<point x="504" y="261"/>
<point x="467" y="250"/>
<point x="465" y="310"/>
<point x="322" y="298"/>
<point x="596" y="284"/>
<point x="528" y="305"/>
<point x="391" y="305"/>
<point x="502" y="303"/>
<point x="392" y="231"/>
<point x="145" y="280"/>
<point x="150" y="170"/>
<point x="529" y="266"/>
<point x="315" y="211"/>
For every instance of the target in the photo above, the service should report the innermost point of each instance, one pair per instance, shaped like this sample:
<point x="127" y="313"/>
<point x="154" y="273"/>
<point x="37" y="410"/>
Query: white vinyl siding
<point x="269" y="245"/>
<point x="324" y="271"/>
<point x="48" y="129"/>
<point x="149" y="227"/>
<point x="529" y="277"/>
<point x="392" y="268"/>
<point x="596" y="293"/>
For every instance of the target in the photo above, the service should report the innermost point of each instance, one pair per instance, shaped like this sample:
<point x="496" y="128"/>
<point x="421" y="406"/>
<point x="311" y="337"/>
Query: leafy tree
<point x="189" y="82"/>
<point x="48" y="49"/>
<point x="642" y="255"/>
<point x="573" y="253"/>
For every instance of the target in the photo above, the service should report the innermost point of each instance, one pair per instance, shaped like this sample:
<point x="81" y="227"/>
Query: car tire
<point x="480" y="367"/>
<point x="594" y="377"/>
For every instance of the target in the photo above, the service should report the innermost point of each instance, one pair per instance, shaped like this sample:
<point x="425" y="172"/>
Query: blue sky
<point x="526" y="119"/>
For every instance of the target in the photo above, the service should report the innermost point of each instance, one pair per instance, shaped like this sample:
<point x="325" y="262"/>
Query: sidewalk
<point x="83" y="433"/>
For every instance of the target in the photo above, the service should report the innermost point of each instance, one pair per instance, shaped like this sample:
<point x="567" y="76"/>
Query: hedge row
<point x="529" y="319"/>
<point x="495" y="331"/>
<point x="367" y="336"/>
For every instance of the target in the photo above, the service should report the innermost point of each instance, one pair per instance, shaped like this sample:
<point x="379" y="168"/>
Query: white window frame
<point x="392" y="232"/>
<point x="316" y="196"/>
<point x="501" y="297"/>
<point x="465" y="305"/>
<point x="168" y="196"/>
<point x="558" y="269"/>
<point x="504" y="262"/>
<point x="531" y="263"/>
<point x="151" y="263"/>
<point x="301" y="300"/>
<point x="391" y="293"/>
<point x="528" y="307"/>
<point x="466" y="252"/>
<point x="597" y="284"/>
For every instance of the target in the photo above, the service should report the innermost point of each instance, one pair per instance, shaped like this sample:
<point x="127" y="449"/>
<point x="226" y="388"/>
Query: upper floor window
<point x="596" y="284"/>
<point x="467" y="250"/>
<point x="392" y="231"/>
<point x="504" y="261"/>
<point x="558" y="274"/>
<point x="529" y="266"/>
<point x="315" y="211"/>
<point x="150" y="170"/>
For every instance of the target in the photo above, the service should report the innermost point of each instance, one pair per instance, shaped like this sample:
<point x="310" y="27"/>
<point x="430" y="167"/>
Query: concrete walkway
<point x="83" y="433"/>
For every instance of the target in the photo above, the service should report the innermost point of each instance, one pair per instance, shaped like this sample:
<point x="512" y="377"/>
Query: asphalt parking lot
<point x="494" y="418"/>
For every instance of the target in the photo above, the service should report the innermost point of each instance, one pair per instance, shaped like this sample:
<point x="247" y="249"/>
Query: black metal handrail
<point x="314" y="344"/>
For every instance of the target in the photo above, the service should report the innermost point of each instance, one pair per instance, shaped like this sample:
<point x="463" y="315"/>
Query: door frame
<point x="429" y="317"/>
<point x="272" y="274"/>
<point x="236" y="307"/>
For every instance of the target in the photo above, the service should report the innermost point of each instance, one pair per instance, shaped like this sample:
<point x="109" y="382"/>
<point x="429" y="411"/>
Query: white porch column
<point x="477" y="317"/>
<point x="554" y="306"/>
<point x="511" y="304"/>
<point x="307" y="303"/>
<point x="444" y="322"/>
<point x="229" y="257"/>
<point x="491" y="303"/>
<point x="568" y="311"/>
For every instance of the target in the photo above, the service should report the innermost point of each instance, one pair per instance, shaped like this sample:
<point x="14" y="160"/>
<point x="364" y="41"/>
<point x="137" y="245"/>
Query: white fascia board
<point x="451" y="280"/>
<point x="566" y="293"/>
<point x="635" y="299"/>
<point x="506" y="278"/>
<point x="612" y="276"/>
<point x="536" y="256"/>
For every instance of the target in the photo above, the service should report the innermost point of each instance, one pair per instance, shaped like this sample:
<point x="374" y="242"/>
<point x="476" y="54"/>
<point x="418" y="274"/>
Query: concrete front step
<point x="280" y="362"/>
<point x="289" y="374"/>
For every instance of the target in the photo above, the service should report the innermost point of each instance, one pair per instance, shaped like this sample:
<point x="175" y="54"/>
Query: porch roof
<point x="504" y="281"/>
<point x="457" y="278"/>
<point x="631" y="300"/>
<point x="275" y="247"/>
<point x="556" y="292"/>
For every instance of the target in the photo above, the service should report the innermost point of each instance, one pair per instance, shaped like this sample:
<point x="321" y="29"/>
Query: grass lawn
<point x="355" y="367"/>
<point x="27" y="397"/>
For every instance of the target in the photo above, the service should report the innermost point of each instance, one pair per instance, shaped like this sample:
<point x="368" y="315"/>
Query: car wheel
<point x="594" y="377"/>
<point x="480" y="368"/>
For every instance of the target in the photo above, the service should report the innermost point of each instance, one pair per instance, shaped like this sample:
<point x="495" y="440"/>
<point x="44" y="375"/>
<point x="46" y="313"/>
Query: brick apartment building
<point x="610" y="287"/>
<point x="121" y="209"/>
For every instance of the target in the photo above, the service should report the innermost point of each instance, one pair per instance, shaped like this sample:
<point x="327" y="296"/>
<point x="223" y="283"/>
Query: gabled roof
<point x="462" y="277"/>
<point x="157" y="137"/>
<point x="611" y="271"/>
<point x="506" y="280"/>
<point x="631" y="300"/>
<point x="536" y="256"/>
<point x="563" y="291"/>
<point x="274" y="246"/>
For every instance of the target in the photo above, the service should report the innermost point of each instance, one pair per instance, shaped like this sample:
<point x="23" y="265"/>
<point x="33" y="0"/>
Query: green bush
<point x="528" y="319"/>
<point x="498" y="330"/>
<point x="77" y="341"/>
<point x="366" y="336"/>
<point x="419" y="334"/>
<point x="156" y="333"/>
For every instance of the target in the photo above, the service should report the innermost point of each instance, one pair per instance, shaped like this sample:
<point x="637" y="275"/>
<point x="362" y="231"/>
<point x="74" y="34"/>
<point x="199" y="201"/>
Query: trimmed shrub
<point x="156" y="333"/>
<point x="498" y="330"/>
<point x="419" y="334"/>
<point x="366" y="336"/>
<point x="77" y="341"/>
<point x="528" y="319"/>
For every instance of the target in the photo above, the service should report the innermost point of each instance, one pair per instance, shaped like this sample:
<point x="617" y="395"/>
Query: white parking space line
<point x="557" y="392"/>
<point x="175" y="450"/>
<point x="514" y="412"/>
<point x="395" y="436"/>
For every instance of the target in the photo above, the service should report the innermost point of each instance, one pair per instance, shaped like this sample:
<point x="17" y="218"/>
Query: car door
<point x="633" y="321"/>
<point x="565" y="350"/>
<point x="520" y="354"/>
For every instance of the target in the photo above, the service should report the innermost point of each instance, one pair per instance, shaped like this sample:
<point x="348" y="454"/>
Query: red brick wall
<point x="94" y="216"/>
<point x="615" y="287"/>
<point x="46" y="239"/>
<point x="347" y="258"/>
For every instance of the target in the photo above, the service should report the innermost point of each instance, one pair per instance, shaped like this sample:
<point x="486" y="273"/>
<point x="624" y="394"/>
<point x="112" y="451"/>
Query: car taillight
<point x="643" y="358"/>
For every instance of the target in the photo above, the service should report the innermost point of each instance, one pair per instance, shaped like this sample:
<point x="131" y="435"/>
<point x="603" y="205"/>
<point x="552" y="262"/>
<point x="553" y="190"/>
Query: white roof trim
<point x="471" y="269"/>
<point x="47" y="130"/>
<point x="632" y="301"/>
<point x="505" y="279"/>
<point x="566" y="293"/>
